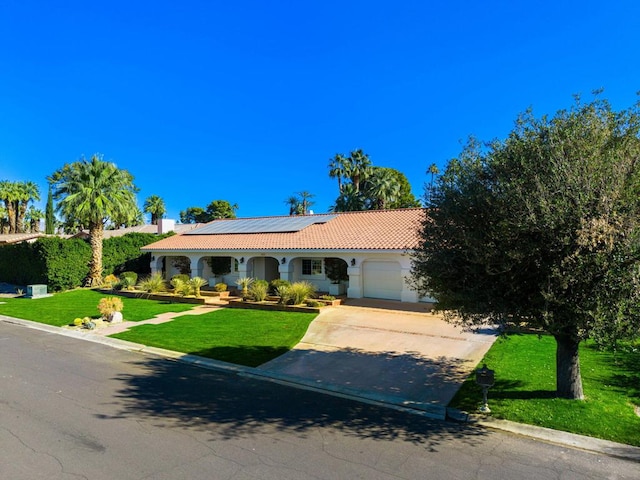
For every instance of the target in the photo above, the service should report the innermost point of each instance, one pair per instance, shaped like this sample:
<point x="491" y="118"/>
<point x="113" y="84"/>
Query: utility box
<point x="37" y="291"/>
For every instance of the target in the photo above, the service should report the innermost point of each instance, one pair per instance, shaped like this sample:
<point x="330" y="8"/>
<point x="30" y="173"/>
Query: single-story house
<point x="373" y="248"/>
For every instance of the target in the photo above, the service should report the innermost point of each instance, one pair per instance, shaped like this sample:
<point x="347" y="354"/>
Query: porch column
<point x="195" y="271"/>
<point x="355" y="281"/>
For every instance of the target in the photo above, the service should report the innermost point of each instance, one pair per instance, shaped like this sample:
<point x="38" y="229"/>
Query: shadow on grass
<point x="232" y="406"/>
<point x="625" y="368"/>
<point x="250" y="356"/>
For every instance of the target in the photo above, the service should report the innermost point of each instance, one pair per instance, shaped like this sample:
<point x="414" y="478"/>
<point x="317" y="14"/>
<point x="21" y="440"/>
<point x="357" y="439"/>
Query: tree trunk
<point x="95" y="265"/>
<point x="568" y="378"/>
<point x="11" y="214"/>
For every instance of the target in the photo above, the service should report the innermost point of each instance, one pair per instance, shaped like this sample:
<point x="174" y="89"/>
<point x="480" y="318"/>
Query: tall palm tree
<point x="156" y="207"/>
<point x="27" y="192"/>
<point x="433" y="170"/>
<point x="359" y="168"/>
<point x="293" y="202"/>
<point x="305" y="201"/>
<point x="4" y="221"/>
<point x="9" y="194"/>
<point x="349" y="200"/>
<point x="92" y="192"/>
<point x="338" y="168"/>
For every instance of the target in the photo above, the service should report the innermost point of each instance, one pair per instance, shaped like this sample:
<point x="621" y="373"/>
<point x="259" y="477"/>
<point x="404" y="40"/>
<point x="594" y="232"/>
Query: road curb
<point x="548" y="435"/>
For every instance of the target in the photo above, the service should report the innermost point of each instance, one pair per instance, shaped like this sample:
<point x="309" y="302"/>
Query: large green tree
<point x="50" y="219"/>
<point x="542" y="229"/>
<point x="91" y="193"/>
<point x="215" y="210"/>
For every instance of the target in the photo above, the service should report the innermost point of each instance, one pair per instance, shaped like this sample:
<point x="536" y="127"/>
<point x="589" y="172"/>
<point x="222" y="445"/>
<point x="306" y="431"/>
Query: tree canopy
<point x="362" y="186"/>
<point x="542" y="229"/>
<point x="215" y="210"/>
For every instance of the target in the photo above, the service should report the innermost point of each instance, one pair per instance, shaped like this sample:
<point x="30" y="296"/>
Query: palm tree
<point x="27" y="192"/>
<point x="9" y="194"/>
<point x="33" y="216"/>
<point x="91" y="192"/>
<point x="305" y="201"/>
<point x="359" y="168"/>
<point x="433" y="170"/>
<point x="156" y="207"/>
<point x="294" y="205"/>
<point x="338" y="168"/>
<point x="4" y="221"/>
<point x="382" y="188"/>
<point x="349" y="200"/>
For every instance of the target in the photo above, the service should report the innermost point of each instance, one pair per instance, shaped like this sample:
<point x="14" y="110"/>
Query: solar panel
<point x="260" y="225"/>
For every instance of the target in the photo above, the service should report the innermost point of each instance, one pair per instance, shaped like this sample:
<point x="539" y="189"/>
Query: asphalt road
<point x="73" y="409"/>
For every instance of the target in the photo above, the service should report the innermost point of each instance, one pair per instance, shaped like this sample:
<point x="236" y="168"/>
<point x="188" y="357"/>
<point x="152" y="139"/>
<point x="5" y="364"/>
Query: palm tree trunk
<point x="568" y="379"/>
<point x="94" y="278"/>
<point x="11" y="213"/>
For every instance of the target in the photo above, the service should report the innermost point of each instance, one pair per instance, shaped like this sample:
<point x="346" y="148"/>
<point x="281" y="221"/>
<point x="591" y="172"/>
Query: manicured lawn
<point x="525" y="383"/>
<point x="244" y="337"/>
<point x="62" y="308"/>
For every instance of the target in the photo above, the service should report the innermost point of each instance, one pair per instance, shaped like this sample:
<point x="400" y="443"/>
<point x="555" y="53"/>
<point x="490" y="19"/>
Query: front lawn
<point x="61" y="308"/>
<point x="525" y="383"/>
<point x="243" y="337"/>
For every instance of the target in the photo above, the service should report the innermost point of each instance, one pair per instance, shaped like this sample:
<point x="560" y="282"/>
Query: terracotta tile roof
<point x="367" y="230"/>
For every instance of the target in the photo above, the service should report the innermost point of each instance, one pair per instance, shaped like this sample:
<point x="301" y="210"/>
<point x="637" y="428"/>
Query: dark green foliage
<point x="63" y="263"/>
<point x="182" y="277"/>
<point x="219" y="265"/>
<point x="542" y="228"/>
<point x="122" y="254"/>
<point x="50" y="219"/>
<point x="336" y="269"/>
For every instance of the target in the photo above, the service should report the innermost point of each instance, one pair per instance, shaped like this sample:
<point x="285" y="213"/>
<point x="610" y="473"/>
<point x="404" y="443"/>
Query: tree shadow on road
<point x="231" y="406"/>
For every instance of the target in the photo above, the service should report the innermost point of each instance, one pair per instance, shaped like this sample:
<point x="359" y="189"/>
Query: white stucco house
<point x="375" y="247"/>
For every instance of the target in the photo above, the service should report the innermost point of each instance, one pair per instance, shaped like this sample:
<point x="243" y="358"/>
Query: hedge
<point x="63" y="264"/>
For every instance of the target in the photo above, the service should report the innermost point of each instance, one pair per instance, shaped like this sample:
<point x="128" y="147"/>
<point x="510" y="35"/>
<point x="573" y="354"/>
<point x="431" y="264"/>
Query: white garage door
<point x="382" y="280"/>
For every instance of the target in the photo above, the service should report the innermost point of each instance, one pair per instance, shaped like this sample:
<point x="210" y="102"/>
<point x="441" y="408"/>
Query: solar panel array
<point x="260" y="225"/>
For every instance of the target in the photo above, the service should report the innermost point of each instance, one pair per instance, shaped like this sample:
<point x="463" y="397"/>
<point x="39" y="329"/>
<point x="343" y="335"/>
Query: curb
<point x="557" y="437"/>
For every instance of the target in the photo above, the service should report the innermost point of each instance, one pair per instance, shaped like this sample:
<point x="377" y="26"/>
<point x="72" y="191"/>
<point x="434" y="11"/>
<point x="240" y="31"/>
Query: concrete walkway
<point x="406" y="357"/>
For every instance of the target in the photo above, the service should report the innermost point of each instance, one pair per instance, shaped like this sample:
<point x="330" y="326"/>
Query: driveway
<point x="382" y="350"/>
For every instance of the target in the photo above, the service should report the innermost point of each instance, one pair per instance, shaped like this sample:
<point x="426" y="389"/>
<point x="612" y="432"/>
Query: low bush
<point x="128" y="279"/>
<point x="110" y="281"/>
<point x="196" y="283"/>
<point x="108" y="305"/>
<point x="300" y="291"/>
<point x="153" y="283"/>
<point x="274" y="285"/>
<point x="258" y="290"/>
<point x="220" y="287"/>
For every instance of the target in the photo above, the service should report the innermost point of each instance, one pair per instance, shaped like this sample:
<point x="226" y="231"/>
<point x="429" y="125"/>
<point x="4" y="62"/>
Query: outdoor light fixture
<point x="353" y="262"/>
<point x="284" y="260"/>
<point x="241" y="259"/>
<point x="153" y="258"/>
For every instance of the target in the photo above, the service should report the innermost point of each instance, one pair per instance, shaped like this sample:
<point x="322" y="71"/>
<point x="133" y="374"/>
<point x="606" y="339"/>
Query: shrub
<point x="181" y="287"/>
<point x="128" y="279"/>
<point x="284" y="292"/>
<point x="110" y="281"/>
<point x="258" y="290"/>
<point x="153" y="283"/>
<point x="220" y="287"/>
<point x="182" y="277"/>
<point x="78" y="322"/>
<point x="244" y="283"/>
<point x="327" y="297"/>
<point x="196" y="283"/>
<point x="300" y="291"/>
<point x="277" y="283"/>
<point x="313" y="303"/>
<point x="108" y="305"/>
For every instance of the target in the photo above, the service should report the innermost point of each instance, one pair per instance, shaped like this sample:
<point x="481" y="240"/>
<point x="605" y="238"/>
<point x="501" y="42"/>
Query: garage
<point x="382" y="280"/>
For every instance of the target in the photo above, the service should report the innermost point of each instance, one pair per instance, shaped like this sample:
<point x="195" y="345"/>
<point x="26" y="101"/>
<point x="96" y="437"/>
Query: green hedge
<point x="63" y="264"/>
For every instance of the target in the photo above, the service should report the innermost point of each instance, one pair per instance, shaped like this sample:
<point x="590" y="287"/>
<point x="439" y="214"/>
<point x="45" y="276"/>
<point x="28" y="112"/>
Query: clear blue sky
<point x="247" y="101"/>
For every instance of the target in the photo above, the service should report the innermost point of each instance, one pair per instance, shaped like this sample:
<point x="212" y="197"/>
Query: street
<point x="76" y="409"/>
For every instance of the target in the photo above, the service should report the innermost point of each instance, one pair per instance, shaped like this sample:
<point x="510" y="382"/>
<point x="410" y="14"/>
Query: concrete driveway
<point x="384" y="351"/>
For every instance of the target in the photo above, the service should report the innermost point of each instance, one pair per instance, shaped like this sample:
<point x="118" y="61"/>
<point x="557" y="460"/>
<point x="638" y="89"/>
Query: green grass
<point x="61" y="308"/>
<point x="525" y="386"/>
<point x="244" y="337"/>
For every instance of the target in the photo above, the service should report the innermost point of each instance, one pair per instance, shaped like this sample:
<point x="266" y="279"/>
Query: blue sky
<point x="247" y="101"/>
